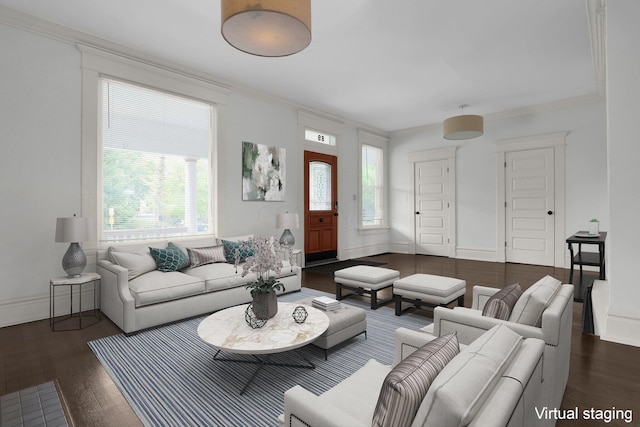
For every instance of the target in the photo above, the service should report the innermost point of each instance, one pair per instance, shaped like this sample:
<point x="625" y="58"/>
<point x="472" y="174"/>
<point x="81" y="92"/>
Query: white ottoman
<point x="429" y="290"/>
<point x="344" y="323"/>
<point x="365" y="279"/>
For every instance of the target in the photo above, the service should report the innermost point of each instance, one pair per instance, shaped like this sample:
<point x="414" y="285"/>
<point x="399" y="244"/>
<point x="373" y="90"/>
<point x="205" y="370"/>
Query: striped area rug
<point x="168" y="375"/>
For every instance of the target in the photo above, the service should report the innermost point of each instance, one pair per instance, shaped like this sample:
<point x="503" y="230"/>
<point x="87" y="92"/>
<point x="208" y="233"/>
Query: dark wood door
<point x="320" y="206"/>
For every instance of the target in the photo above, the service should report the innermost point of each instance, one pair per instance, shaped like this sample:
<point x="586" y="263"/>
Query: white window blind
<point x="155" y="163"/>
<point x="372" y="186"/>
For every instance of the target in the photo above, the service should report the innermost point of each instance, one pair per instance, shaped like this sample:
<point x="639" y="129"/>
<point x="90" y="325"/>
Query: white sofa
<point x="494" y="382"/>
<point x="136" y="296"/>
<point x="553" y="327"/>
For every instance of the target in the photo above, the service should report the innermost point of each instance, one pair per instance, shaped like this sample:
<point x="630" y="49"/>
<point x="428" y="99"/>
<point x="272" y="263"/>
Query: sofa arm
<point x="303" y="409"/>
<point x="470" y="326"/>
<point x="408" y="341"/>
<point x="481" y="295"/>
<point x="116" y="299"/>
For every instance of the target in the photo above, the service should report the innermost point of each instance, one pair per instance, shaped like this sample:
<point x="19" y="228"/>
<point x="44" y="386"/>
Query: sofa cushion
<point x="501" y="304"/>
<point x="462" y="387"/>
<point x="406" y="385"/>
<point x="233" y="249"/>
<point x="170" y="259"/>
<point x="136" y="263"/>
<point x="206" y="255"/>
<point x="135" y="257"/>
<point x="528" y="310"/>
<point x="156" y="286"/>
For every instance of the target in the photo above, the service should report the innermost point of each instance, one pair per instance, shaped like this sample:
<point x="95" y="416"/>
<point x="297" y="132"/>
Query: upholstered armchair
<point x="547" y="304"/>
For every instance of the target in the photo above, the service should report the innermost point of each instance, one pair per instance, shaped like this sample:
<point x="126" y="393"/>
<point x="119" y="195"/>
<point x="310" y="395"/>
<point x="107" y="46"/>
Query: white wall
<point x="623" y="92"/>
<point x="39" y="164"/>
<point x="40" y="168"/>
<point x="476" y="175"/>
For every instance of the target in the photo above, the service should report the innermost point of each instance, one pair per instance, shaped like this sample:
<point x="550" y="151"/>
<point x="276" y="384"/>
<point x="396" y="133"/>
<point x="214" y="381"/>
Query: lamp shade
<point x="463" y="127"/>
<point x="267" y="27"/>
<point x="287" y="221"/>
<point x="74" y="229"/>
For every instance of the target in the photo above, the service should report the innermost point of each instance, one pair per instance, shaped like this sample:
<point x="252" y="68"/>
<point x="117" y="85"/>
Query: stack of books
<point x="325" y="303"/>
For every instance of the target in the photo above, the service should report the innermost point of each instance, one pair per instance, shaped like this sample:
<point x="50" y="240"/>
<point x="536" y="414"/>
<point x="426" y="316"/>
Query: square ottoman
<point x="429" y="290"/>
<point x="344" y="323"/>
<point x="365" y="279"/>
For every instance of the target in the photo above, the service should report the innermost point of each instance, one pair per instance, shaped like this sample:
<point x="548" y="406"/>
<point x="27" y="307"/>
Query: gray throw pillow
<point x="509" y="295"/>
<point x="407" y="384"/>
<point x="206" y="255"/>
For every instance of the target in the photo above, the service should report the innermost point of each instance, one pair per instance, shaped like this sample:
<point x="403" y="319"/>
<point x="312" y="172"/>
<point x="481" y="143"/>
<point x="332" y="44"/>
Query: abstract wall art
<point x="263" y="172"/>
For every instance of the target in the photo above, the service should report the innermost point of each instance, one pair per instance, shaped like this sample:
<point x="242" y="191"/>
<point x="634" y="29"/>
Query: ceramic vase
<point x="265" y="306"/>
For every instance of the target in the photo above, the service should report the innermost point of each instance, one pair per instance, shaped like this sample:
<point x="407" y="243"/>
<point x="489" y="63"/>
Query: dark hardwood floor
<point x="603" y="375"/>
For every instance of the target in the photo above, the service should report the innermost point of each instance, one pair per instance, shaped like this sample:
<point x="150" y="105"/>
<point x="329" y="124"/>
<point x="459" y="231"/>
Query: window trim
<point x="98" y="63"/>
<point x="373" y="140"/>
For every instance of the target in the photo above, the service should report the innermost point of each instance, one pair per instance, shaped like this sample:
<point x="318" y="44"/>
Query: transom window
<point x="322" y="138"/>
<point x="156" y="170"/>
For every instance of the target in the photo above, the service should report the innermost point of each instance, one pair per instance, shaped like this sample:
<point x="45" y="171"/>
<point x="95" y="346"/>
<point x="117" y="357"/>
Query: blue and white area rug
<point x="169" y="377"/>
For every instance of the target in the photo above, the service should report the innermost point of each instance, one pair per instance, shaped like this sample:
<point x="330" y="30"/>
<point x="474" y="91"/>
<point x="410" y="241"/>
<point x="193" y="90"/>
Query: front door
<point x="432" y="204"/>
<point x="320" y="206"/>
<point x="530" y="199"/>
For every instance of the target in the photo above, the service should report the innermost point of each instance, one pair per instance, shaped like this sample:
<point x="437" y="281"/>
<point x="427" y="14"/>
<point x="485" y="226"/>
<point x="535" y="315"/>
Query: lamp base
<point x="74" y="260"/>
<point x="287" y="238"/>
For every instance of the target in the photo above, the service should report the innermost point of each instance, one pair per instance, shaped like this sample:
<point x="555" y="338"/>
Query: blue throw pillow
<point x="170" y="259"/>
<point x="243" y="249"/>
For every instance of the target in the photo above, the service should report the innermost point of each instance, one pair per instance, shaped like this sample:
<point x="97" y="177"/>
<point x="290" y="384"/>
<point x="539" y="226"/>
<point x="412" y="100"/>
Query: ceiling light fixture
<point x="267" y="27"/>
<point x="463" y="126"/>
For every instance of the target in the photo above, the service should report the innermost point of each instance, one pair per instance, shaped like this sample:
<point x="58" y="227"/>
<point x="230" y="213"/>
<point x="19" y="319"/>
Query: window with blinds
<point x="372" y="186"/>
<point x="156" y="169"/>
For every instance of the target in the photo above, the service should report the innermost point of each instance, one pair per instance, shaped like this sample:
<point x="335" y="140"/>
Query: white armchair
<point x="555" y="331"/>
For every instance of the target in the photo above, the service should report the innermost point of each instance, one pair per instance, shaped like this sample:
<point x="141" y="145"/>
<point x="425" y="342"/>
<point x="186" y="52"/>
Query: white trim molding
<point x="448" y="154"/>
<point x="622" y="327"/>
<point x="557" y="141"/>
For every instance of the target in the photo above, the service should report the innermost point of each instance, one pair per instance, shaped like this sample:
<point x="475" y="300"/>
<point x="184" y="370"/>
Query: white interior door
<point x="529" y="216"/>
<point x="432" y="201"/>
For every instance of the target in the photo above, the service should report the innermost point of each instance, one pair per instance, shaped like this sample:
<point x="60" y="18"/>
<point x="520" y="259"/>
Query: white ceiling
<point x="388" y="64"/>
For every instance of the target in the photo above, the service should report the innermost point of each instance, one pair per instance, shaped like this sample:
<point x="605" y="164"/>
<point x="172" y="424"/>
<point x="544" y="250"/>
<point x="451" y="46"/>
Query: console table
<point x="580" y="258"/>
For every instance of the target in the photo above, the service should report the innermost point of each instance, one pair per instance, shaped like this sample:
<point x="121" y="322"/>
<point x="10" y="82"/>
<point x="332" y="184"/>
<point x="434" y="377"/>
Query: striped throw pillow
<point x="407" y="384"/>
<point x="509" y="295"/>
<point x="206" y="255"/>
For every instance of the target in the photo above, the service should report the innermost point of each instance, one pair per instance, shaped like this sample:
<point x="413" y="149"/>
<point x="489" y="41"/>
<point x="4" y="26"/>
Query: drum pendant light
<point x="463" y="127"/>
<point x="267" y="27"/>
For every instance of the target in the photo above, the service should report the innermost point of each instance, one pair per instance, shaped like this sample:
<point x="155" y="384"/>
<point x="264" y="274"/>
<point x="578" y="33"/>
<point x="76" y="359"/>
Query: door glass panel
<point x="319" y="186"/>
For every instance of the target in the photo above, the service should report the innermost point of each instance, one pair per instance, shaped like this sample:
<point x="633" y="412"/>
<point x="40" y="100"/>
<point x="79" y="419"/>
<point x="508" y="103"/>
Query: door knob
<point x="549" y="212"/>
<point x="321" y="219"/>
<point x="417" y="213"/>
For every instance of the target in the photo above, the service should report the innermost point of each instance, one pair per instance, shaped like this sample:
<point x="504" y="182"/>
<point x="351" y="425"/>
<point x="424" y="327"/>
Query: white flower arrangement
<point x="264" y="261"/>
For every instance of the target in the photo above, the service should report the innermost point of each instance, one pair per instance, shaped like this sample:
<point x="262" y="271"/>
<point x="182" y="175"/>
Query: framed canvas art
<point x="263" y="172"/>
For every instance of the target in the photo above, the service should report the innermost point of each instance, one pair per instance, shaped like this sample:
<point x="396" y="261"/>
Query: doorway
<point x="432" y="205"/>
<point x="320" y="207"/>
<point x="531" y="200"/>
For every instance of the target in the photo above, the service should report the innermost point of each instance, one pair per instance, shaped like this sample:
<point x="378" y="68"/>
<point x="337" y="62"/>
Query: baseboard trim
<point x="363" y="251"/>
<point x="34" y="308"/>
<point x="622" y="328"/>
<point x="475" y="254"/>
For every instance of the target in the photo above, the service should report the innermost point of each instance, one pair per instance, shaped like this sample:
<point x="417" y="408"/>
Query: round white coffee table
<point x="227" y="330"/>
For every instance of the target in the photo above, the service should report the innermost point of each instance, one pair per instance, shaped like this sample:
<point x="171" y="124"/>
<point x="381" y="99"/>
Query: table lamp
<point x="74" y="230"/>
<point x="287" y="221"/>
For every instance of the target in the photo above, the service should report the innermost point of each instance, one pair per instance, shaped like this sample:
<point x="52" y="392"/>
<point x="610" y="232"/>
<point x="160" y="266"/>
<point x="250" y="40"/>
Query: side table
<point x="594" y="259"/>
<point x="79" y="282"/>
